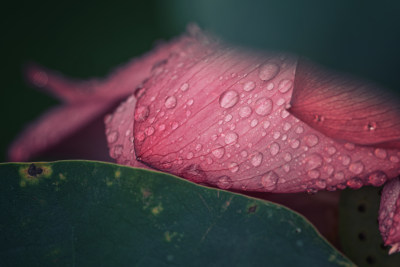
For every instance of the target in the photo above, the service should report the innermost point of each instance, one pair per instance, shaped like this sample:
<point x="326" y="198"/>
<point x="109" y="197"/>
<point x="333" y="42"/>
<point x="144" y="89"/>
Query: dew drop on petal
<point x="321" y="184"/>
<point x="228" y="118"/>
<point x="256" y="159"/>
<point x="117" y="151"/>
<point x="269" y="180"/>
<point x="287" y="157"/>
<point x="218" y="152"/>
<point x="266" y="124"/>
<point x="299" y="129"/>
<point x="311" y="140"/>
<point x="380" y="153"/>
<point x="270" y="86"/>
<point x="245" y="112"/>
<point x="174" y="125"/>
<point x="224" y="182"/>
<point x="170" y="102"/>
<point x="184" y="87"/>
<point x="233" y="167"/>
<point x="142" y="113"/>
<point x="331" y="150"/>
<point x="112" y="137"/>
<point x="263" y="106"/>
<point x="356" y="167"/>
<point x="295" y="143"/>
<point x="161" y="127"/>
<point x="354" y="183"/>
<point x="230" y="138"/>
<point x="149" y="131"/>
<point x="313" y="161"/>
<point x="285" y="85"/>
<point x="254" y="123"/>
<point x="394" y="159"/>
<point x="274" y="149"/>
<point x="228" y="99"/>
<point x="249" y="86"/>
<point x="189" y="155"/>
<point x="345" y="160"/>
<point x="268" y="71"/>
<point x="194" y="173"/>
<point x="377" y="178"/>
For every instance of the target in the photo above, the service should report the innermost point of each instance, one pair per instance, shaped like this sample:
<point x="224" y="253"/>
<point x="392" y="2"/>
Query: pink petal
<point x="218" y="115"/>
<point x="389" y="215"/>
<point x="345" y="108"/>
<point x="85" y="101"/>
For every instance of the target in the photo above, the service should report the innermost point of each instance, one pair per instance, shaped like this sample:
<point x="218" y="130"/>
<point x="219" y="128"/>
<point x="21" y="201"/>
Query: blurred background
<point x="90" y="38"/>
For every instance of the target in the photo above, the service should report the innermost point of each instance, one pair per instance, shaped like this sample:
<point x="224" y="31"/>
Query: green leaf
<point x="359" y="230"/>
<point x="80" y="213"/>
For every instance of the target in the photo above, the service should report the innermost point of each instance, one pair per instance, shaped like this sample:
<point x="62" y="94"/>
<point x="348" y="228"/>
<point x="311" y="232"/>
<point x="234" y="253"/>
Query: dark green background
<point x="91" y="38"/>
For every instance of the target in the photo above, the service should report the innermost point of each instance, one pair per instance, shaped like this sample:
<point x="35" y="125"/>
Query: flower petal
<point x="389" y="215"/>
<point x="346" y="108"/>
<point x="218" y="115"/>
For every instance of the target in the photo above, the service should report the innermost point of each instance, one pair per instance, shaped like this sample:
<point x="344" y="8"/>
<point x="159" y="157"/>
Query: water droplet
<point x="266" y="124"/>
<point x="274" y="149"/>
<point x="128" y="132"/>
<point x="112" y="137"/>
<point x="329" y="169"/>
<point x="321" y="184"/>
<point x="194" y="173"/>
<point x="295" y="144"/>
<point x="184" y="87"/>
<point x="394" y="159"/>
<point x="371" y="126"/>
<point x="299" y="129"/>
<point x="254" y="123"/>
<point x="287" y="157"/>
<point x="263" y="106"/>
<point x="233" y="167"/>
<point x="284" y="114"/>
<point x="117" y="151"/>
<point x="224" y="182"/>
<point x="257" y="159"/>
<point x="356" y="167"/>
<point x="230" y="138"/>
<point x="269" y="180"/>
<point x="161" y="127"/>
<point x="189" y="155"/>
<point x="140" y="136"/>
<point x="286" y="168"/>
<point x="170" y="102"/>
<point x="228" y="99"/>
<point x="287" y="126"/>
<point x="380" y="153"/>
<point x="190" y="102"/>
<point x="331" y="150"/>
<point x="228" y="117"/>
<point x="270" y="86"/>
<point x="311" y="140"/>
<point x="276" y="135"/>
<point x="345" y="160"/>
<point x="149" y="131"/>
<point x="174" y="125"/>
<point x="142" y="113"/>
<point x="354" y="183"/>
<point x="268" y="71"/>
<point x="285" y="85"/>
<point x="377" y="178"/>
<point x="218" y="152"/>
<point x="313" y="161"/>
<point x="245" y="111"/>
<point x="249" y="86"/>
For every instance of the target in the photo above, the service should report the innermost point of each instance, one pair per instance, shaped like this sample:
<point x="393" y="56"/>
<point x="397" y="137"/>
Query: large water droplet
<point x="245" y="111"/>
<point x="380" y="153"/>
<point x="377" y="178"/>
<point x="142" y="113"/>
<point x="112" y="137"/>
<point x="263" y="106"/>
<point x="356" y="167"/>
<point x="170" y="102"/>
<point x="230" y="138"/>
<point x="249" y="86"/>
<point x="274" y="149"/>
<point x="311" y="140"/>
<point x="354" y="183"/>
<point x="233" y="167"/>
<point x="228" y="99"/>
<point x="224" y="182"/>
<point x="218" y="152"/>
<point x="313" y="161"/>
<point x="256" y="159"/>
<point x="269" y="180"/>
<point x="194" y="173"/>
<point x="285" y="85"/>
<point x="268" y="71"/>
<point x="345" y="160"/>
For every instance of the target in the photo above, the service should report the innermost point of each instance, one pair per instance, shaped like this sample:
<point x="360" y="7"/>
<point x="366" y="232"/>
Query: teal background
<point x="91" y="38"/>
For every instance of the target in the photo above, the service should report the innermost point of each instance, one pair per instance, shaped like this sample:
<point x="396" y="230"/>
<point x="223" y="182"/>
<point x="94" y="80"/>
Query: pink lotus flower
<point x="236" y="119"/>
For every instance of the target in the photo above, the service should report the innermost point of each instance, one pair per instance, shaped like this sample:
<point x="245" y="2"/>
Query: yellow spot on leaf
<point x="117" y="174"/>
<point x="156" y="210"/>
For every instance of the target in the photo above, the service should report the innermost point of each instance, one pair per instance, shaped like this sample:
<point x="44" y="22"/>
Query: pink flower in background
<point x="235" y="119"/>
